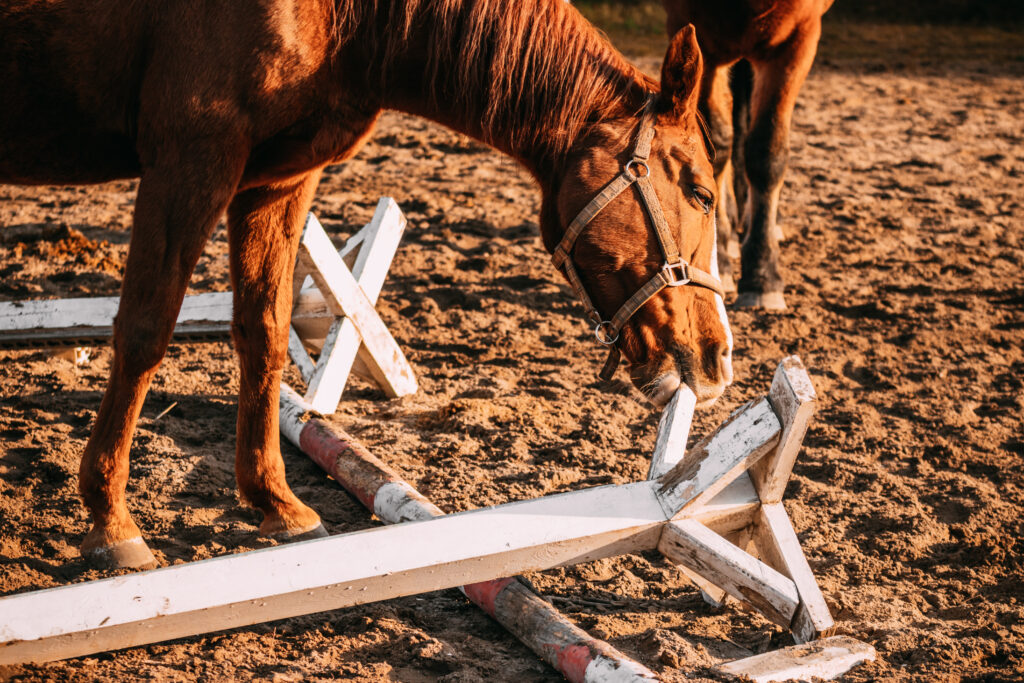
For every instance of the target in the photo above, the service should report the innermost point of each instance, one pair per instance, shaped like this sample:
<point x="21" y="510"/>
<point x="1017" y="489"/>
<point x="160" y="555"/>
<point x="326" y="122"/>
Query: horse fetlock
<point x="287" y="522"/>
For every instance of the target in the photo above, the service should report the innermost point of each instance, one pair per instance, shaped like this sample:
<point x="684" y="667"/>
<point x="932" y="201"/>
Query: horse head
<point x="634" y="222"/>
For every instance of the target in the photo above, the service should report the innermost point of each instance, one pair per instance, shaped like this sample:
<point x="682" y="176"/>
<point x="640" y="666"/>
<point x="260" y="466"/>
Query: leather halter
<point x="675" y="272"/>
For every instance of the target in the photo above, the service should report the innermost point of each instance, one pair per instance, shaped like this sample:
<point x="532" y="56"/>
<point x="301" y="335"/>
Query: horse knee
<point x="140" y="343"/>
<point x="260" y="342"/>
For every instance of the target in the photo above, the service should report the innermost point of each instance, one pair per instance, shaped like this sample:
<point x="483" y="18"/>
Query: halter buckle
<point x="602" y="333"/>
<point x="676" y="274"/>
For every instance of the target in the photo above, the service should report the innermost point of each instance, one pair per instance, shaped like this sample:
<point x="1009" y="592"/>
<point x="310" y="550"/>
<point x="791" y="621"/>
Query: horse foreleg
<point x="175" y="211"/>
<point x="264" y="227"/>
<point x="740" y="83"/>
<point x="777" y="82"/>
<point x="716" y="101"/>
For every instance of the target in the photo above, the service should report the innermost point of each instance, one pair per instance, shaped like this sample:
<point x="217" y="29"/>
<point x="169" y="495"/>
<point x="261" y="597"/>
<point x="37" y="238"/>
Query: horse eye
<point x="703" y="197"/>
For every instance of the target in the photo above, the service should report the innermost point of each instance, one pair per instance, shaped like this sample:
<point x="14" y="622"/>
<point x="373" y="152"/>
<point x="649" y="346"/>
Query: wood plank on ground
<point x="778" y="544"/>
<point x="326" y="574"/>
<point x="793" y="399"/>
<point x="822" y="659"/>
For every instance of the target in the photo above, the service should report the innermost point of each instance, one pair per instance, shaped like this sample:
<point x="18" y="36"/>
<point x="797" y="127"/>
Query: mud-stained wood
<point x="778" y="544"/>
<point x="709" y="592"/>
<point x="715" y="462"/>
<point x="721" y="563"/>
<point x="793" y="399"/>
<point x="823" y="659"/>
<point x="673" y="431"/>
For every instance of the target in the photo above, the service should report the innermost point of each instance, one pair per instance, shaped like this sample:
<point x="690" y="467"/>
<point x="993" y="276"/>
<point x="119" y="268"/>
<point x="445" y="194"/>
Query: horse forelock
<point x="534" y="73"/>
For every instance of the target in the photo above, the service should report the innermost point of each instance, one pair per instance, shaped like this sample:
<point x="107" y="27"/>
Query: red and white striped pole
<point x="569" y="649"/>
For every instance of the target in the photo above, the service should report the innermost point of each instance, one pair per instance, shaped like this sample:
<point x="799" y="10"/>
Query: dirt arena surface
<point x="904" y="210"/>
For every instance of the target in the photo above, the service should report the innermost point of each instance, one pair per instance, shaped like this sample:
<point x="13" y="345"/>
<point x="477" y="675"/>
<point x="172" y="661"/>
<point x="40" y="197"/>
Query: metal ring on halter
<point x="637" y="163"/>
<point x="602" y="335"/>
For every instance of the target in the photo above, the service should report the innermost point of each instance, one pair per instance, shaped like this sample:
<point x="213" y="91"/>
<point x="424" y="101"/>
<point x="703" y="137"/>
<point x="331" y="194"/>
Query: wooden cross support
<point x="730" y="511"/>
<point x="333" y="313"/>
<point x="350" y="296"/>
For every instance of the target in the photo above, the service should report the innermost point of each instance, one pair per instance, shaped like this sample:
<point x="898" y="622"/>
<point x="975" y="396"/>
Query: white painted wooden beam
<point x="793" y="399"/>
<point x="715" y="462"/>
<point x="325" y="574"/>
<point x="779" y="546"/>
<point x="821" y="660"/>
<point x="673" y="431"/>
<point x="693" y="545"/>
<point x="733" y="509"/>
<point x="203" y="317"/>
<point x="297" y="352"/>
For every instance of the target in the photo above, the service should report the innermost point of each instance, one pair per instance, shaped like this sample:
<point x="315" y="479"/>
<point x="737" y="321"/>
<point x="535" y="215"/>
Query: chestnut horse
<point x="750" y="120"/>
<point x="237" y="107"/>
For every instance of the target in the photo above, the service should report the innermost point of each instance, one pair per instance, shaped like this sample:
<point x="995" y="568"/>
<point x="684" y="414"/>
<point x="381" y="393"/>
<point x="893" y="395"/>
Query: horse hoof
<point x="770" y="301"/>
<point x="129" y="554"/>
<point x="296" y="535"/>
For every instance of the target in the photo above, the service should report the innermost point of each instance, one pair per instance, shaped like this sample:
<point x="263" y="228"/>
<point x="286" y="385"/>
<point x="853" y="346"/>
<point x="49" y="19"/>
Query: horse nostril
<point x="725" y="363"/>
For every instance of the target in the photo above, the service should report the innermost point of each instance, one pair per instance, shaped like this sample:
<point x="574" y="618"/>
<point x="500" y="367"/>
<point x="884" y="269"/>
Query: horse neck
<point x="529" y="78"/>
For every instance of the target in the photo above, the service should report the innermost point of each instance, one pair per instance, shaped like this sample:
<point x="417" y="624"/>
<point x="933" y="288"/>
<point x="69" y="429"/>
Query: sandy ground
<point x="904" y="208"/>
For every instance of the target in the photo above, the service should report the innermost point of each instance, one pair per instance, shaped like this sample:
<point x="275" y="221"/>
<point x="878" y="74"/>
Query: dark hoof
<point x="130" y="554"/>
<point x="769" y="301"/>
<point x="301" y="535"/>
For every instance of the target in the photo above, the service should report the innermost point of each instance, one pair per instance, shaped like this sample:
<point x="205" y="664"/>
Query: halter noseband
<point x="675" y="272"/>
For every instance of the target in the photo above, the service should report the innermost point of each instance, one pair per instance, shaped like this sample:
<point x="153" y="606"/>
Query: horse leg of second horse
<point x="175" y="211"/>
<point x="777" y="82"/>
<point x="716" y="105"/>
<point x="264" y="227"/>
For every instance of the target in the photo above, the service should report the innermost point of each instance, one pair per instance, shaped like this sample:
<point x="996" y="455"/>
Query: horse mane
<point x="534" y="73"/>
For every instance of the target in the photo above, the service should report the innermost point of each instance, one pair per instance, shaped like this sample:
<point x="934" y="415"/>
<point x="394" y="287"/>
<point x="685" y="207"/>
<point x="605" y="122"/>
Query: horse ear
<point x="681" y="72"/>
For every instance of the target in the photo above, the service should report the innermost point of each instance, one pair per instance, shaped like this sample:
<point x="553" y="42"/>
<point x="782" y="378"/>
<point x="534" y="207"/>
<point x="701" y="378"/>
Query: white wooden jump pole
<point x="536" y="623"/>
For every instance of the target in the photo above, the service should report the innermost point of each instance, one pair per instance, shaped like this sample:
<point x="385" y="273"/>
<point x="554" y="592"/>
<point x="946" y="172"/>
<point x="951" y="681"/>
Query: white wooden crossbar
<point x="329" y="573"/>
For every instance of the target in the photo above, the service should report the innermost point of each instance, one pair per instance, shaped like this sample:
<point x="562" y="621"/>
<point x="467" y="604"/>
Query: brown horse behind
<point x="237" y="107"/>
<point x="778" y="40"/>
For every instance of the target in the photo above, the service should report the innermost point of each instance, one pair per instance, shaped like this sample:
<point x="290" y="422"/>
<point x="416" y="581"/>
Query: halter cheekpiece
<point x="675" y="272"/>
